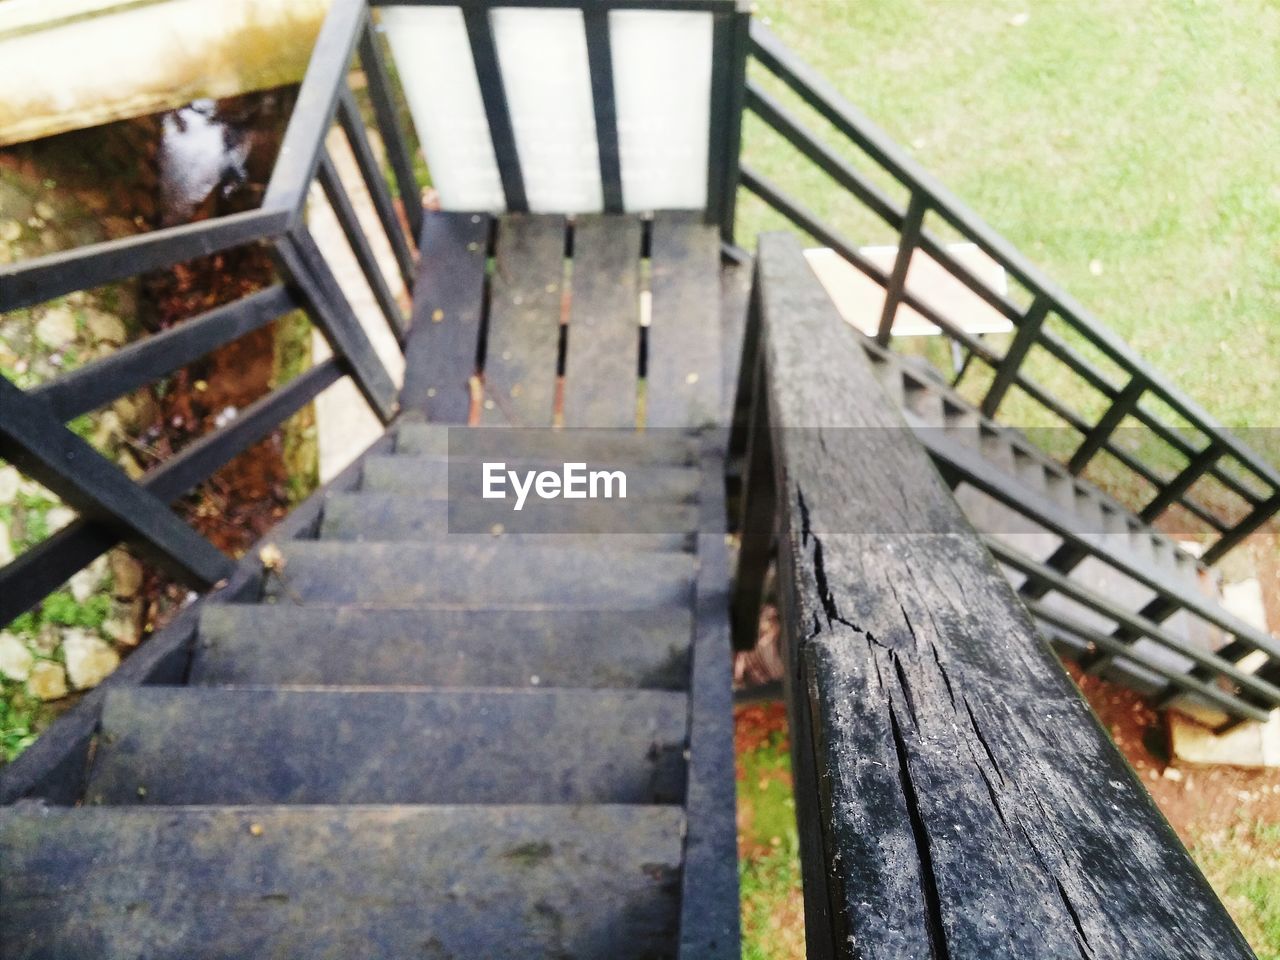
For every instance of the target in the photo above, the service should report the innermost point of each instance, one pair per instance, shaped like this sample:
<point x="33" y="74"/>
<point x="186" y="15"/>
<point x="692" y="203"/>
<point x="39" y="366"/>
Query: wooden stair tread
<point x="354" y="646"/>
<point x="400" y="574"/>
<point x="214" y="745"/>
<point x="332" y="883"/>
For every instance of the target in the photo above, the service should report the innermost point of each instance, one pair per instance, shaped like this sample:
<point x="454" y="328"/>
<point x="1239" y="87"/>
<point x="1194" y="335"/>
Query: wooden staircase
<point x="410" y="742"/>
<point x="1078" y="556"/>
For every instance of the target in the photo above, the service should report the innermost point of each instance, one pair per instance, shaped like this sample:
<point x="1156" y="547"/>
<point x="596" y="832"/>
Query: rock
<point x="10" y="231"/>
<point x="89" y="659"/>
<point x="105" y="326"/>
<point x="137" y="412"/>
<point x="15" y="658"/>
<point x="57" y="327"/>
<point x="121" y="631"/>
<point x="126" y="573"/>
<point x="6" y="546"/>
<point x="9" y="480"/>
<point x="45" y="210"/>
<point x="47" y="640"/>
<point x="108" y="430"/>
<point x="48" y="681"/>
<point x="59" y="517"/>
<point x="84" y="584"/>
<point x="129" y="465"/>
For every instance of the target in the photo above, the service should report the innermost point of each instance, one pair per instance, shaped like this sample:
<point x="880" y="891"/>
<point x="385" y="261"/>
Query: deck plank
<point x="440" y="354"/>
<point x="602" y="368"/>
<point x="524" y="322"/>
<point x="684" y="360"/>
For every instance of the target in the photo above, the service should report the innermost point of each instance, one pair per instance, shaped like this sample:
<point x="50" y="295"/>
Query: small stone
<point x="48" y="681"/>
<point x="59" y="517"/>
<point x="89" y="659"/>
<point x="15" y="658"/>
<point x="56" y="328"/>
<point x="46" y="641"/>
<point x="1172" y="773"/>
<point x="137" y="412"/>
<point x="6" y="545"/>
<point x="126" y="575"/>
<point x="10" y="231"/>
<point x="121" y="632"/>
<point x="45" y="211"/>
<point x="108" y="430"/>
<point x="9" y="480"/>
<point x="83" y="584"/>
<point x="105" y="326"/>
<point x="129" y="465"/>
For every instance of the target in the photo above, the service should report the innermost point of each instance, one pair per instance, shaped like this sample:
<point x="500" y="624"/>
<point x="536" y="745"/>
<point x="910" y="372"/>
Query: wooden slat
<point x="440" y="355"/>
<point x="684" y="333"/>
<point x="524" y="321"/>
<point x="969" y="803"/>
<point x="603" y="364"/>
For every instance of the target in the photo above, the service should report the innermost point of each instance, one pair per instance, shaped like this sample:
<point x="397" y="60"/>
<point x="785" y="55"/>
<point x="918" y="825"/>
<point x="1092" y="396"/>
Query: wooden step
<point x="504" y="883"/>
<point x="606" y="525"/>
<point x="428" y="477"/>
<point x="210" y="745"/>
<point x="407" y="574"/>
<point x="670" y="447"/>
<point x="354" y="646"/>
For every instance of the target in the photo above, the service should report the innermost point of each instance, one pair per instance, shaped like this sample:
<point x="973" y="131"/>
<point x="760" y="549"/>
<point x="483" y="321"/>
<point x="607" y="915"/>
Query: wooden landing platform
<point x="605" y="321"/>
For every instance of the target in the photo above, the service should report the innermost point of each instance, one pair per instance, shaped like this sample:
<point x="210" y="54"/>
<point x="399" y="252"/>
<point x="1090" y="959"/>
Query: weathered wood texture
<point x="441" y="352"/>
<point x="523" y="342"/>
<point x="184" y="745"/>
<point x="956" y="796"/>
<point x="225" y="883"/>
<point x="683" y="388"/>
<point x="709" y="909"/>
<point x="602" y="368"/>
<point x="54" y="768"/>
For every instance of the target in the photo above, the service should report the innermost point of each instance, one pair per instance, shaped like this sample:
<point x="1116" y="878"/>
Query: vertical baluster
<point x="349" y="221"/>
<point x="353" y="129"/>
<point x="1024" y="339"/>
<point x="759" y="515"/>
<point x="384" y="112"/>
<point x="912" y="224"/>
<point x="605" y="104"/>
<point x="1120" y="408"/>
<point x="484" y="53"/>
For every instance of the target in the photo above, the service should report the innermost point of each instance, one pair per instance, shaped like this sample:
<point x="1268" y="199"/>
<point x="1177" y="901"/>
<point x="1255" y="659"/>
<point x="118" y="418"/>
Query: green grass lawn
<point x="1128" y="147"/>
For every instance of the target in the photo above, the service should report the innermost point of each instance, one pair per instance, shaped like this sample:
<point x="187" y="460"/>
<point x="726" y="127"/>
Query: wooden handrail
<point x="955" y="796"/>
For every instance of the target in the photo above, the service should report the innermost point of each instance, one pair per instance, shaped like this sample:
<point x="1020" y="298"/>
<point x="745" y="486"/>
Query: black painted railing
<point x="1192" y="463"/>
<point x="34" y="435"/>
<point x="955" y="797"/>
